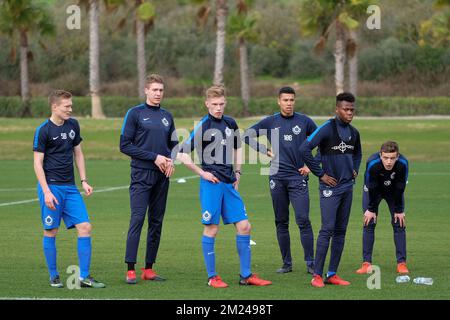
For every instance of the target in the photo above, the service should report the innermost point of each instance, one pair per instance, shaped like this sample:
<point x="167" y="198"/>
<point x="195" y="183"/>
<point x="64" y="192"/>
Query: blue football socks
<point x="49" y="244"/>
<point x="209" y="255"/>
<point x="245" y="255"/>
<point x="84" y="255"/>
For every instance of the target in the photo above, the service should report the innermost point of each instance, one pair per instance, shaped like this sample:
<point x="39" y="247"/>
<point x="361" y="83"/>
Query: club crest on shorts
<point x="48" y="221"/>
<point x="327" y="193"/>
<point x="165" y="122"/>
<point x="366" y="189"/>
<point x="296" y="130"/>
<point x="228" y="131"/>
<point x="272" y="184"/>
<point x="387" y="183"/>
<point x="72" y="134"/>
<point x="206" y="216"/>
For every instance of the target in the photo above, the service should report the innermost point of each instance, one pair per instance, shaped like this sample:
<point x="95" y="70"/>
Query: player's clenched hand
<point x="209" y="177"/>
<point x="304" y="171"/>
<point x="369" y="215"/>
<point x="50" y="200"/>
<point x="329" y="180"/>
<point x="401" y="219"/>
<point x="270" y="154"/>
<point x="87" y="188"/>
<point x="162" y="162"/>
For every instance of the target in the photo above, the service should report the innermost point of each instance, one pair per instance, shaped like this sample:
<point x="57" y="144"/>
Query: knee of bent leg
<point x="370" y="227"/>
<point x="84" y="229"/>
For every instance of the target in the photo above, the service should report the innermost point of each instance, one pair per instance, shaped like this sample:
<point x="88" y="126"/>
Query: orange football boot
<point x="365" y="268"/>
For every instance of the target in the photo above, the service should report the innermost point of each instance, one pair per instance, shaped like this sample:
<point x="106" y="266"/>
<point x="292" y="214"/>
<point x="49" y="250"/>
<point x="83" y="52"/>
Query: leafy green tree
<point x="22" y="19"/>
<point x="436" y="30"/>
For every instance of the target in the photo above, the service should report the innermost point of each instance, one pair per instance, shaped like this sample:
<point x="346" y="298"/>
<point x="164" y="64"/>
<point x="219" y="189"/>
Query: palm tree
<point x="22" y="18"/>
<point x="221" y="17"/>
<point x="241" y="26"/>
<point x="323" y="15"/>
<point x="94" y="60"/>
<point x="143" y="14"/>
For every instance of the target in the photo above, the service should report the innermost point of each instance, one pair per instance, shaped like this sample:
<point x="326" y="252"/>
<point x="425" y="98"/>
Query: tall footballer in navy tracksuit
<point x="56" y="143"/>
<point x="288" y="176"/>
<point x="340" y="155"/>
<point x="386" y="177"/>
<point x="148" y="137"/>
<point x="217" y="141"/>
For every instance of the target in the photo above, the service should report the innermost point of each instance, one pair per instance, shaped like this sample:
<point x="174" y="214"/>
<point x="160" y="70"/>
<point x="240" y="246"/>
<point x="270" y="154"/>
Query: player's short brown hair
<point x="153" y="78"/>
<point x="389" y="147"/>
<point x="56" y="95"/>
<point x="215" y="91"/>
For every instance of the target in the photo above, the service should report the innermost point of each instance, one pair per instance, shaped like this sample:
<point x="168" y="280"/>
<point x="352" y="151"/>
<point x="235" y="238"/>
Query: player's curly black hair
<point x="345" y="96"/>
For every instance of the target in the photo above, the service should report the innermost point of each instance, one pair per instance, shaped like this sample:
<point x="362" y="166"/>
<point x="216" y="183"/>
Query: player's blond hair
<point x="215" y="91"/>
<point x="153" y="78"/>
<point x="57" y="95"/>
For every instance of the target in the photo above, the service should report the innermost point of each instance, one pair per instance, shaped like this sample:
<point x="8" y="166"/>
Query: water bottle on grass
<point x="422" y="280"/>
<point x="402" y="279"/>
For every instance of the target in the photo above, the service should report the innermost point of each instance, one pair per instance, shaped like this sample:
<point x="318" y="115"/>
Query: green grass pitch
<point x="23" y="273"/>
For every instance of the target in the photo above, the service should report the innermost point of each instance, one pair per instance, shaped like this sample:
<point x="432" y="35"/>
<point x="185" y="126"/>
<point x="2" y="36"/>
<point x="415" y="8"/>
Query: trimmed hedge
<point x="194" y="106"/>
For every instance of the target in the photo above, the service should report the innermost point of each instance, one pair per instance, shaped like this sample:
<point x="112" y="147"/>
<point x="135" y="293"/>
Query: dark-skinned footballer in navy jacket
<point x="337" y="166"/>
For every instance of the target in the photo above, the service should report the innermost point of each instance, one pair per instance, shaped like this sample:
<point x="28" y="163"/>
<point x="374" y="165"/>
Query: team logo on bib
<point x="72" y="134"/>
<point x="206" y="216"/>
<point x="228" y="131"/>
<point x="165" y="122"/>
<point x="387" y="183"/>
<point x="296" y="130"/>
<point x="327" y="193"/>
<point x="366" y="189"/>
<point x="48" y="221"/>
<point x="272" y="184"/>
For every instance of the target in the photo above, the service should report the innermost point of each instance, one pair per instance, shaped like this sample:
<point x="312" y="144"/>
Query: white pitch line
<point x="63" y="299"/>
<point x="96" y="191"/>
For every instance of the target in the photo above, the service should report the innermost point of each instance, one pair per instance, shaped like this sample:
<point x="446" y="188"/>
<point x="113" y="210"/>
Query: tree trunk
<point x="245" y="83"/>
<point x="221" y="15"/>
<point x="24" y="80"/>
<point x="94" y="67"/>
<point x="353" y="61"/>
<point x="141" y="65"/>
<point x="339" y="56"/>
